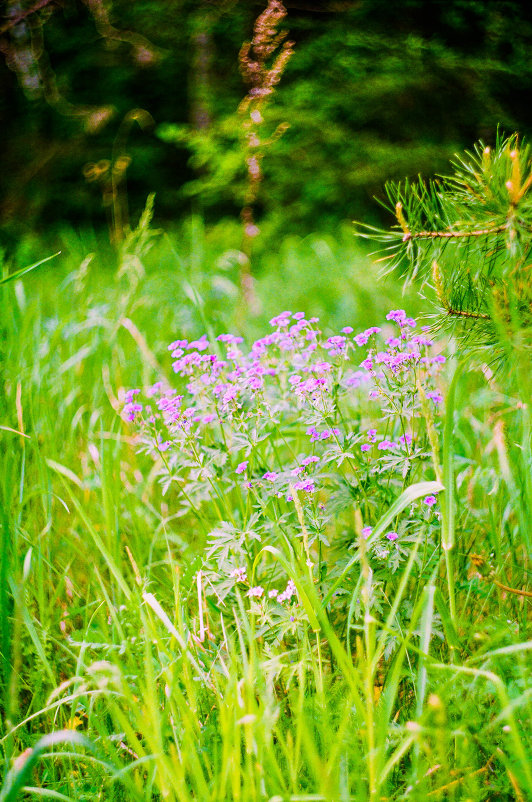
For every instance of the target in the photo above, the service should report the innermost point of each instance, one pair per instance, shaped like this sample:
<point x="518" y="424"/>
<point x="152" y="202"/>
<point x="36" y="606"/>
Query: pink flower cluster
<point x="291" y="377"/>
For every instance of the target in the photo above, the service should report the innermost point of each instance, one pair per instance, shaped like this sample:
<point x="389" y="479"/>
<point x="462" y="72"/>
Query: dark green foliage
<point x="374" y="91"/>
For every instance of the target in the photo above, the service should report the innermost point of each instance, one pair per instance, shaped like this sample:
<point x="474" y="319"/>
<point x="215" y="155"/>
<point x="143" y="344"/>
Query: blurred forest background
<point x="374" y="91"/>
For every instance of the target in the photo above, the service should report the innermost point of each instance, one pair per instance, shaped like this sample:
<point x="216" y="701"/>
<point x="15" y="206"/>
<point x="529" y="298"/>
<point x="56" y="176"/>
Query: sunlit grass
<point x="102" y="639"/>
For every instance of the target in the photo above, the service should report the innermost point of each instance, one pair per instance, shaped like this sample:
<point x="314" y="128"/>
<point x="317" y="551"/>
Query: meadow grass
<point x="135" y="667"/>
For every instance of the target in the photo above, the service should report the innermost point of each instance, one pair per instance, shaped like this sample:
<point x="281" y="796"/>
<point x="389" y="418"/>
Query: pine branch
<point x="408" y="235"/>
<point x="471" y="233"/>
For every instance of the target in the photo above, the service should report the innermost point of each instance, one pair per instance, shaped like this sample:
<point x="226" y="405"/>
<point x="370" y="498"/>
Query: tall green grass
<point x="108" y="672"/>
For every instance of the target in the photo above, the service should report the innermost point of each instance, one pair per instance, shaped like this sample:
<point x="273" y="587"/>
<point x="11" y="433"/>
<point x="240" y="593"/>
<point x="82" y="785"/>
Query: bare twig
<point x="262" y="79"/>
<point x="483" y="232"/>
<point x="25" y="14"/>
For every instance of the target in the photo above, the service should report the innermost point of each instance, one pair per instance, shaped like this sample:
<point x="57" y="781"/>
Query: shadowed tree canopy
<point x="373" y="91"/>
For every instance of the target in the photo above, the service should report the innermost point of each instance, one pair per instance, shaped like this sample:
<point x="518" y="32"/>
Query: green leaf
<point x="447" y="622"/>
<point x="407" y="497"/>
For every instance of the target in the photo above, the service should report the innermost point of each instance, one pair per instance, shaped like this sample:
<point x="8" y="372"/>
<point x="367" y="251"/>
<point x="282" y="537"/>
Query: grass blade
<point x="22" y="272"/>
<point x="407" y="497"/>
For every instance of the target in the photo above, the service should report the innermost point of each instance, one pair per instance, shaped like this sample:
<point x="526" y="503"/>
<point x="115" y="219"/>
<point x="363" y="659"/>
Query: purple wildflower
<point x="288" y="592"/>
<point x="435" y="396"/>
<point x="361" y="339"/>
<point x="154" y="389"/>
<point x="241" y="467"/>
<point x="239" y="574"/>
<point x="270" y="476"/>
<point x="365" y="447"/>
<point x="280" y="320"/>
<point x="337" y="342"/>
<point x="397" y="315"/>
<point x="313" y="432"/>
<point x="230" y="339"/>
<point x="387" y="445"/>
<point x="393" y="342"/>
<point x="356" y="378"/>
<point x="178" y="344"/>
<point x="305" y="484"/>
<point x="430" y="501"/>
<point x="255" y="383"/>
<point x="391" y="535"/>
<point x="420" y="340"/>
<point x="321" y="367"/>
<point x="130" y="395"/>
<point x="130" y="411"/>
<point x="366" y="531"/>
<point x="199" y="345"/>
<point x="229" y="395"/>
